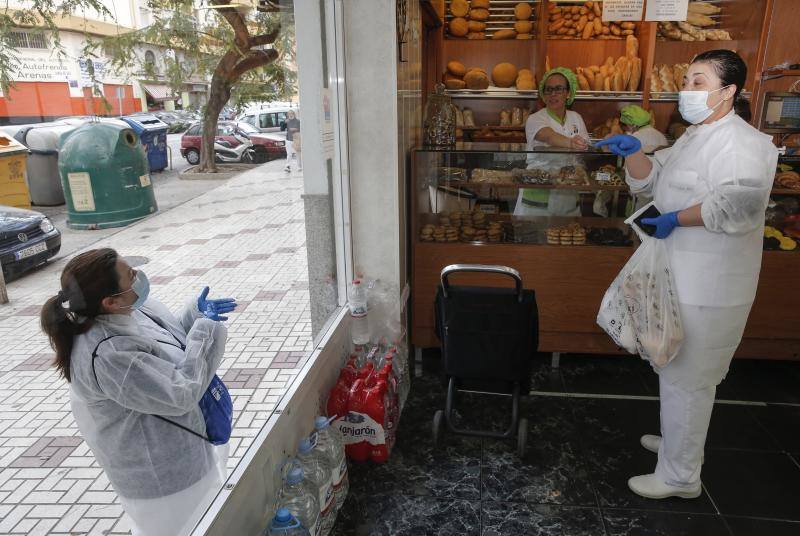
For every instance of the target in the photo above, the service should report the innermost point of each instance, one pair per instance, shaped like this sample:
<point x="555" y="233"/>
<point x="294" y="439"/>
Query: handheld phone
<point x="651" y="212"/>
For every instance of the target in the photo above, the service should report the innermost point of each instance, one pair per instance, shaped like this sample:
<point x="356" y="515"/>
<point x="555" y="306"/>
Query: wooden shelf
<point x="588" y="188"/>
<point x="785" y="191"/>
<point x="500" y="93"/>
<point x="492" y="127"/>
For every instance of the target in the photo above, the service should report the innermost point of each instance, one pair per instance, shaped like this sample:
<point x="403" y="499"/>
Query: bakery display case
<point x="463" y="199"/>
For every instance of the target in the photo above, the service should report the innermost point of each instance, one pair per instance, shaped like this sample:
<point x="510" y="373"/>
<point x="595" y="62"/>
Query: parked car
<point x="27" y="239"/>
<point x="272" y="145"/>
<point x="267" y="119"/>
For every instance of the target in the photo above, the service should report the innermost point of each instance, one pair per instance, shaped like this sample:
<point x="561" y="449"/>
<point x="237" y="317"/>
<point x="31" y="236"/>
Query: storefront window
<point x="266" y="227"/>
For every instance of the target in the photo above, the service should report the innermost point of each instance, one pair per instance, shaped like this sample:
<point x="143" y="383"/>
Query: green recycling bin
<point x="105" y="175"/>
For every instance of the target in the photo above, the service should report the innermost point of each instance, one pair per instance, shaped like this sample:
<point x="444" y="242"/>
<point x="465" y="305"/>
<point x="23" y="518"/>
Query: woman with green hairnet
<point x="636" y="122"/>
<point x="553" y="126"/>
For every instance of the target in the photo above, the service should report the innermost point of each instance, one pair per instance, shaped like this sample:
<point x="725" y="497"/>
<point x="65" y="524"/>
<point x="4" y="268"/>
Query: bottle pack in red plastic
<point x="366" y="402"/>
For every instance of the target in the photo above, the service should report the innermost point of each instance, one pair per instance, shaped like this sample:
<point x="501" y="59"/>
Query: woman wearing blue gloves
<point x="712" y="189"/>
<point x="130" y="365"/>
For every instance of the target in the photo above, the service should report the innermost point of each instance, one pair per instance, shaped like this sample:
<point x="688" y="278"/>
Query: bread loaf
<point x="526" y="84"/>
<point x="459" y="27"/>
<point x="504" y="34"/>
<point x="454" y="83"/>
<point x="479" y="14"/>
<point x="459" y="8"/>
<point x="456" y="68"/>
<point x="524" y="36"/>
<point x="476" y="35"/>
<point x="599" y="82"/>
<point x="523" y="26"/>
<point x="523" y="11"/>
<point x="631" y="47"/>
<point x="619" y="81"/>
<point x="698" y="19"/>
<point x="504" y="74"/>
<point x="583" y="83"/>
<point x="483" y="4"/>
<point x="589" y="74"/>
<point x="476" y="26"/>
<point x="476" y="79"/>
<point x="703" y="8"/>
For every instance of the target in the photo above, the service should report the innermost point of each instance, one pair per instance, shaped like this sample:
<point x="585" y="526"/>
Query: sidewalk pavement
<point x="245" y="239"/>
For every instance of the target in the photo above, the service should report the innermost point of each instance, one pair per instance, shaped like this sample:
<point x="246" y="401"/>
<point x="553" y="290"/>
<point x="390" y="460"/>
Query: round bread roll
<point x="523" y="26"/>
<point x="523" y="11"/>
<point x="476" y="26"/>
<point x="482" y="4"/>
<point x="504" y="34"/>
<point x="524" y="36"/>
<point x="459" y="27"/>
<point x="455" y="83"/>
<point x="526" y="84"/>
<point x="479" y="14"/>
<point x="456" y="68"/>
<point x="459" y="8"/>
<point x="476" y="79"/>
<point x="479" y="70"/>
<point x="476" y="35"/>
<point x="525" y="73"/>
<point x="504" y="74"/>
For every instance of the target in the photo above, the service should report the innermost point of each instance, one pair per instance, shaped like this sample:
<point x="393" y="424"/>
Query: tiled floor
<point x="245" y="239"/>
<point x="582" y="448"/>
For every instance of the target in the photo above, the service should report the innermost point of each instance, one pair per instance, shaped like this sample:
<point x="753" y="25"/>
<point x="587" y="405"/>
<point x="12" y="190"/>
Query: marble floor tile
<point x="737" y="427"/>
<point x="616" y="421"/>
<point x="782" y="423"/>
<point x="402" y="515"/>
<point x="507" y="519"/>
<point x="761" y="381"/>
<point x="743" y="526"/>
<point x="622" y="375"/>
<point x="648" y="523"/>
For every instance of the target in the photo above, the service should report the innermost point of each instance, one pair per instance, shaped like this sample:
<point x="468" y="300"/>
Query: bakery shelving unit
<point x="570" y="280"/>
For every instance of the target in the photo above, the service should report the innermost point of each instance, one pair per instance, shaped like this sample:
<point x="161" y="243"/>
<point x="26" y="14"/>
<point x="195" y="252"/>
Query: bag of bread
<point x="469" y="118"/>
<point x="505" y="118"/>
<point x="516" y="116"/>
<point x="640" y="309"/>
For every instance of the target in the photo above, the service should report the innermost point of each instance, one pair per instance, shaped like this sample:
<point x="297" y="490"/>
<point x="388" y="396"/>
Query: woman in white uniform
<point x="635" y="121"/>
<point x="131" y="364"/>
<point x="553" y="126"/>
<point x="712" y="189"/>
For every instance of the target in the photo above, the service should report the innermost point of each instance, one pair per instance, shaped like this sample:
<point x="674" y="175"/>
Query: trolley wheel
<point x="438" y="419"/>
<point x="522" y="437"/>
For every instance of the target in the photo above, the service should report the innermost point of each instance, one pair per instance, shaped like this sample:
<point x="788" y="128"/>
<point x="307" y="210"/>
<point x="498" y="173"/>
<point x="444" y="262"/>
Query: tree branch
<point x="253" y="60"/>
<point x="235" y="19"/>
<point x="265" y="39"/>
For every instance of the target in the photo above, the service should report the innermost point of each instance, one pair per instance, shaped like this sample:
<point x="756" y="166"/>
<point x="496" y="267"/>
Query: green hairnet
<point x="572" y="80"/>
<point x="634" y="115"/>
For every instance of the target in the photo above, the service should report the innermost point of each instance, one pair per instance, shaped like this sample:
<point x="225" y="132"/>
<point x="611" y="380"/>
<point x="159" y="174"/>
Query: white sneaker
<point x="652" y="442"/>
<point x="287" y="169"/>
<point x="651" y="487"/>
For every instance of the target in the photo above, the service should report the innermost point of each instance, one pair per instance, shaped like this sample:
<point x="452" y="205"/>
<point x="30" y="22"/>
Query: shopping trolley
<point x="489" y="336"/>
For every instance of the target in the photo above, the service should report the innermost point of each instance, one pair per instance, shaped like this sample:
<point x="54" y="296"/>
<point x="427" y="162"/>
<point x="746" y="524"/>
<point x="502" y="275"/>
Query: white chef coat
<point x="561" y="202"/>
<point x="727" y="166"/>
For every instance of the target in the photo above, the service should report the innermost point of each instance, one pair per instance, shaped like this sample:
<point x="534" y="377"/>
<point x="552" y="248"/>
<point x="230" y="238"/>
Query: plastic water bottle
<point x="299" y="497"/>
<point x="330" y="441"/>
<point x="359" y="324"/>
<point x="285" y="524"/>
<point x="318" y="470"/>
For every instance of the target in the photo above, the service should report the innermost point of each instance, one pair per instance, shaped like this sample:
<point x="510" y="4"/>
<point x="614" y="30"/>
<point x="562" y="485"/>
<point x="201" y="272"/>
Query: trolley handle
<point x="481" y="268"/>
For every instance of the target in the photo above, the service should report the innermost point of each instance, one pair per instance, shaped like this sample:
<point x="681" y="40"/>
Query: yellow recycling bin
<point x="13" y="185"/>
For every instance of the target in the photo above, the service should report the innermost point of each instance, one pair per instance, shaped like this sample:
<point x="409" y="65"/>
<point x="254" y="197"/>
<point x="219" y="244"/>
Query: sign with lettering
<point x="32" y="68"/>
<point x="623" y="10"/>
<point x="667" y="10"/>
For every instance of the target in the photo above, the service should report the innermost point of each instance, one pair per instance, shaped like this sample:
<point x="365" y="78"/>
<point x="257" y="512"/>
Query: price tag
<point x="622" y="10"/>
<point x="667" y="10"/>
<point x="602" y="176"/>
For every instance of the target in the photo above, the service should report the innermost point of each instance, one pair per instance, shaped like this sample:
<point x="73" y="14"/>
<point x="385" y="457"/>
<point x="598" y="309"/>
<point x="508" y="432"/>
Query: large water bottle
<point x="330" y="441"/>
<point x="285" y="524"/>
<point x="359" y="324"/>
<point x="318" y="470"/>
<point x="299" y="497"/>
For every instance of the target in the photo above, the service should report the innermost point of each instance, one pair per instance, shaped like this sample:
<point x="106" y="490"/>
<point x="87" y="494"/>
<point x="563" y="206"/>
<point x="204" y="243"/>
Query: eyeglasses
<point x="550" y="90"/>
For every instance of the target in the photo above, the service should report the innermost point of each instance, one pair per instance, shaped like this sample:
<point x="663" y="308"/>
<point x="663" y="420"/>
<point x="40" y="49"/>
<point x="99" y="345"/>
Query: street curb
<point x="226" y="171"/>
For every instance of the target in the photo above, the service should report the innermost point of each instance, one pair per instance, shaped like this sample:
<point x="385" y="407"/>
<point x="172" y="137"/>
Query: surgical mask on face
<point x="141" y="287"/>
<point x="693" y="105"/>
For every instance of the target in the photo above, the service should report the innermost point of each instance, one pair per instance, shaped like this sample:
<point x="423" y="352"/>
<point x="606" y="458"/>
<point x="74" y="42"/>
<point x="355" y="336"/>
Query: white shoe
<point x="287" y="169"/>
<point x="651" y="487"/>
<point x="652" y="442"/>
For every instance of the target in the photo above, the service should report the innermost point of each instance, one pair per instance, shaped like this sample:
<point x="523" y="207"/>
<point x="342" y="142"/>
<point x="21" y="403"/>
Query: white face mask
<point x="693" y="105"/>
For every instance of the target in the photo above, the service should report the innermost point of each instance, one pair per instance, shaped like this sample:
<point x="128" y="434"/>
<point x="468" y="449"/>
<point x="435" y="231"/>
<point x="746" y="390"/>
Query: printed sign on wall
<point x="667" y="10"/>
<point x="623" y="10"/>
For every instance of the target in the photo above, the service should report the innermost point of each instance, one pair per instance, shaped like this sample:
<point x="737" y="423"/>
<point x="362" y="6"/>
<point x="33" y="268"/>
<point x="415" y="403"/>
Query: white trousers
<point x="177" y="514"/>
<point x="685" y="416"/>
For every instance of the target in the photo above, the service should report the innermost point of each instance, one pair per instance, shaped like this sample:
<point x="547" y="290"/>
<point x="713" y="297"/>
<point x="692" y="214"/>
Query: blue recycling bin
<point x="153" y="133"/>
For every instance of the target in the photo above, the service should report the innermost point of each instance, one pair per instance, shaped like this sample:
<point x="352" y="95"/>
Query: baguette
<point x="619" y="81"/>
<point x="631" y="46"/>
<point x="589" y="74"/>
<point x="588" y="31"/>
<point x="703" y="8"/>
<point x="583" y="83"/>
<point x="599" y="83"/>
<point x="698" y="19"/>
<point x="636" y="75"/>
<point x="607" y="84"/>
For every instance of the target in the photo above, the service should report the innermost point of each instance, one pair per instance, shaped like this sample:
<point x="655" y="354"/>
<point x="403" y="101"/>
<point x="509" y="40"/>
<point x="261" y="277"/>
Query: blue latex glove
<point x="621" y="144"/>
<point x="664" y="224"/>
<point x="213" y="309"/>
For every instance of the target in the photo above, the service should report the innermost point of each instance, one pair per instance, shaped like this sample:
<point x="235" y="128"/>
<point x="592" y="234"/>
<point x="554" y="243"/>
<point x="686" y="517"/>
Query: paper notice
<point x="672" y="10"/>
<point x="80" y="187"/>
<point x="144" y="180"/>
<point x="623" y="10"/>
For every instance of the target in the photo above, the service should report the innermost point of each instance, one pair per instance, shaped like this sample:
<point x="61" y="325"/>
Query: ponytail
<point x="85" y="281"/>
<point x="742" y="108"/>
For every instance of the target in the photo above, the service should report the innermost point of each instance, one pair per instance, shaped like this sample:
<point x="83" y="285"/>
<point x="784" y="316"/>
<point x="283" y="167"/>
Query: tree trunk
<point x="217" y="99"/>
